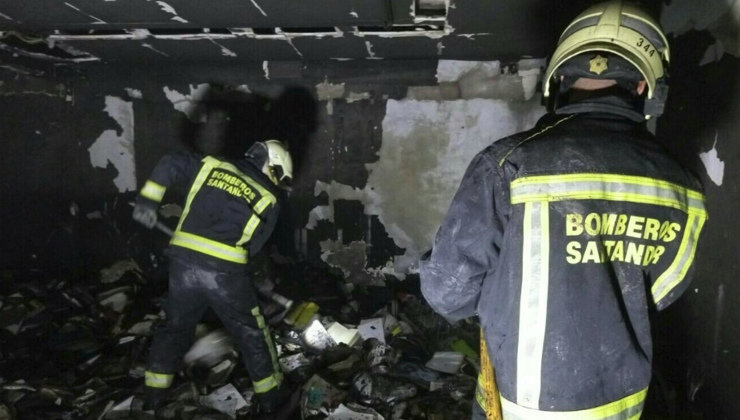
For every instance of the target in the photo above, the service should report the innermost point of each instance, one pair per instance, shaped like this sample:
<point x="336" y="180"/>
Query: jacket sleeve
<point x="173" y="169"/>
<point x="467" y="243"/>
<point x="268" y="220"/>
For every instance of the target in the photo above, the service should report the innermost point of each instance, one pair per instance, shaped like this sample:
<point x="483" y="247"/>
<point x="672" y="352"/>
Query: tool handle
<point x="164" y="228"/>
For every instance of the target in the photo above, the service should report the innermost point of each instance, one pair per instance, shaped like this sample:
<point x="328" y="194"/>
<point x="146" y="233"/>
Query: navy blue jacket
<point x="561" y="239"/>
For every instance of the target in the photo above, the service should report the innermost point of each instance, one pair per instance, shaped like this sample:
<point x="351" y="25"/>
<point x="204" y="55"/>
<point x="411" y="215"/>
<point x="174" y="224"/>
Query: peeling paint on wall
<point x="453" y="70"/>
<point x="254" y="2"/>
<point x="357" y="96"/>
<point x="326" y="91"/>
<point x="713" y="164"/>
<point x="185" y="103"/>
<point x="4" y="16"/>
<point x="96" y="20"/>
<point x="117" y="149"/>
<point x="426" y="148"/>
<point x="369" y="47"/>
<point x="351" y="259"/>
<point x="720" y="17"/>
<point x="171" y="10"/>
<point x="146" y="45"/>
<point x="134" y="93"/>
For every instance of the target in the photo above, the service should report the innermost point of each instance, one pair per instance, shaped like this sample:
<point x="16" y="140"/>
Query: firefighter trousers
<point x="192" y="289"/>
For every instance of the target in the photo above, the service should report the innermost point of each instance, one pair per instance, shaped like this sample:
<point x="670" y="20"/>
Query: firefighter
<point x="230" y="211"/>
<point x="562" y="239"/>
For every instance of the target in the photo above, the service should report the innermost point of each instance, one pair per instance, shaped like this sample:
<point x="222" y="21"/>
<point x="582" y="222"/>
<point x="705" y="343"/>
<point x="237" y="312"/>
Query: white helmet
<point x="278" y="166"/>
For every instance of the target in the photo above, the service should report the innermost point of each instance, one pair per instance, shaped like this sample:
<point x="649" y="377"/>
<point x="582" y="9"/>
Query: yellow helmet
<point x="627" y="32"/>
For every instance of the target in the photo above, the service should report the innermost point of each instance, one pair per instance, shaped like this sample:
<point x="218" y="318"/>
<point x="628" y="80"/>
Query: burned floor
<point x="75" y="341"/>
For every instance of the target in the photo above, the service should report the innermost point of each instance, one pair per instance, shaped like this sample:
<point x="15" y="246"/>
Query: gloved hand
<point x="145" y="215"/>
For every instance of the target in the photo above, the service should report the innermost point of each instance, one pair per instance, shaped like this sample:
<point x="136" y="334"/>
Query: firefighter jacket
<point x="562" y="239"/>
<point x="229" y="212"/>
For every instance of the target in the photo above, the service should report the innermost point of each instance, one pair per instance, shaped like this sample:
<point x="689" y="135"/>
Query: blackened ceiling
<point x="238" y="31"/>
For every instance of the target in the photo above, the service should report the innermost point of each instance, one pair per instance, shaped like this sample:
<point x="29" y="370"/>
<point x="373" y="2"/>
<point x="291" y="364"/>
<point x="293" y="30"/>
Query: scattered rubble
<point x="76" y="348"/>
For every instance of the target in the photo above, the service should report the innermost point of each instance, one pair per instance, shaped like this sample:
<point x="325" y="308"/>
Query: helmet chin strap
<point x="258" y="152"/>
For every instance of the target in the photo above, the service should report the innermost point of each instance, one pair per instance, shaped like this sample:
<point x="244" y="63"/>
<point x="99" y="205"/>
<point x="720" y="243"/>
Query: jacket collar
<point x="612" y="104"/>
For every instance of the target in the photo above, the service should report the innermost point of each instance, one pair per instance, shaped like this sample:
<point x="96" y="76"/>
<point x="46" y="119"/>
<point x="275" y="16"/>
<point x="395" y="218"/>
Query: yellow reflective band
<point x="396" y="330"/>
<point x="268" y="342"/>
<point x="158" y="380"/>
<point x="684" y="257"/>
<point x="487" y="384"/>
<point x="533" y="303"/>
<point x="255" y="220"/>
<point x="153" y="191"/>
<point x="480" y="396"/>
<point x="501" y="161"/>
<point x="264" y="385"/>
<point x="264" y="193"/>
<point x="611" y="187"/>
<point x="249" y="229"/>
<point x="200" y="179"/>
<point x="628" y="408"/>
<point x="210" y="247"/>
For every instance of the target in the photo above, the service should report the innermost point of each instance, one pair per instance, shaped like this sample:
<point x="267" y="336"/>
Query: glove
<point x="145" y="215"/>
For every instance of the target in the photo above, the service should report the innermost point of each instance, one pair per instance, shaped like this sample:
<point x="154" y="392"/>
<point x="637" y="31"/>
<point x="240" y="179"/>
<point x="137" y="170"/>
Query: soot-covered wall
<point x="379" y="155"/>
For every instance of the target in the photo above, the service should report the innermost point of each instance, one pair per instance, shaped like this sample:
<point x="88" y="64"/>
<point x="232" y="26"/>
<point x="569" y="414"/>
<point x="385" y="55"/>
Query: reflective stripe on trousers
<point x="158" y="380"/>
<point x="628" y="408"/>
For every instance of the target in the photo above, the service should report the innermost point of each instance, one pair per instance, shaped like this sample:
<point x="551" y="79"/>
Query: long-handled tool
<point x="275" y="297"/>
<point x="159" y="225"/>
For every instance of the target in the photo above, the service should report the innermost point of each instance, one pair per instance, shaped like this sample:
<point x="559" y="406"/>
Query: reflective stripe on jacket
<point x="229" y="211"/>
<point x="561" y="239"/>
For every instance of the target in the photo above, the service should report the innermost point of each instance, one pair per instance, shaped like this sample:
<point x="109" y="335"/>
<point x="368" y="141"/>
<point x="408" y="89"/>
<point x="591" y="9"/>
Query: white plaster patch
<point x="134" y="93"/>
<point x="453" y="70"/>
<point x="266" y="69"/>
<point x="227" y="52"/>
<point x="185" y="103"/>
<point x="713" y="53"/>
<point x="352" y="260"/>
<point x="427" y="145"/>
<point x="530" y="80"/>
<point x="440" y="48"/>
<point x="326" y="90"/>
<point x="117" y="149"/>
<point x="139" y="33"/>
<point x="357" y="96"/>
<point x="320" y="213"/>
<point x="369" y="47"/>
<point x="713" y="164"/>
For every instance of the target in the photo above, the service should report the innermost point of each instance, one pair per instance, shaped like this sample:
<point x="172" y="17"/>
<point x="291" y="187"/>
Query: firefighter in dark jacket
<point x="562" y="239"/>
<point x="230" y="210"/>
